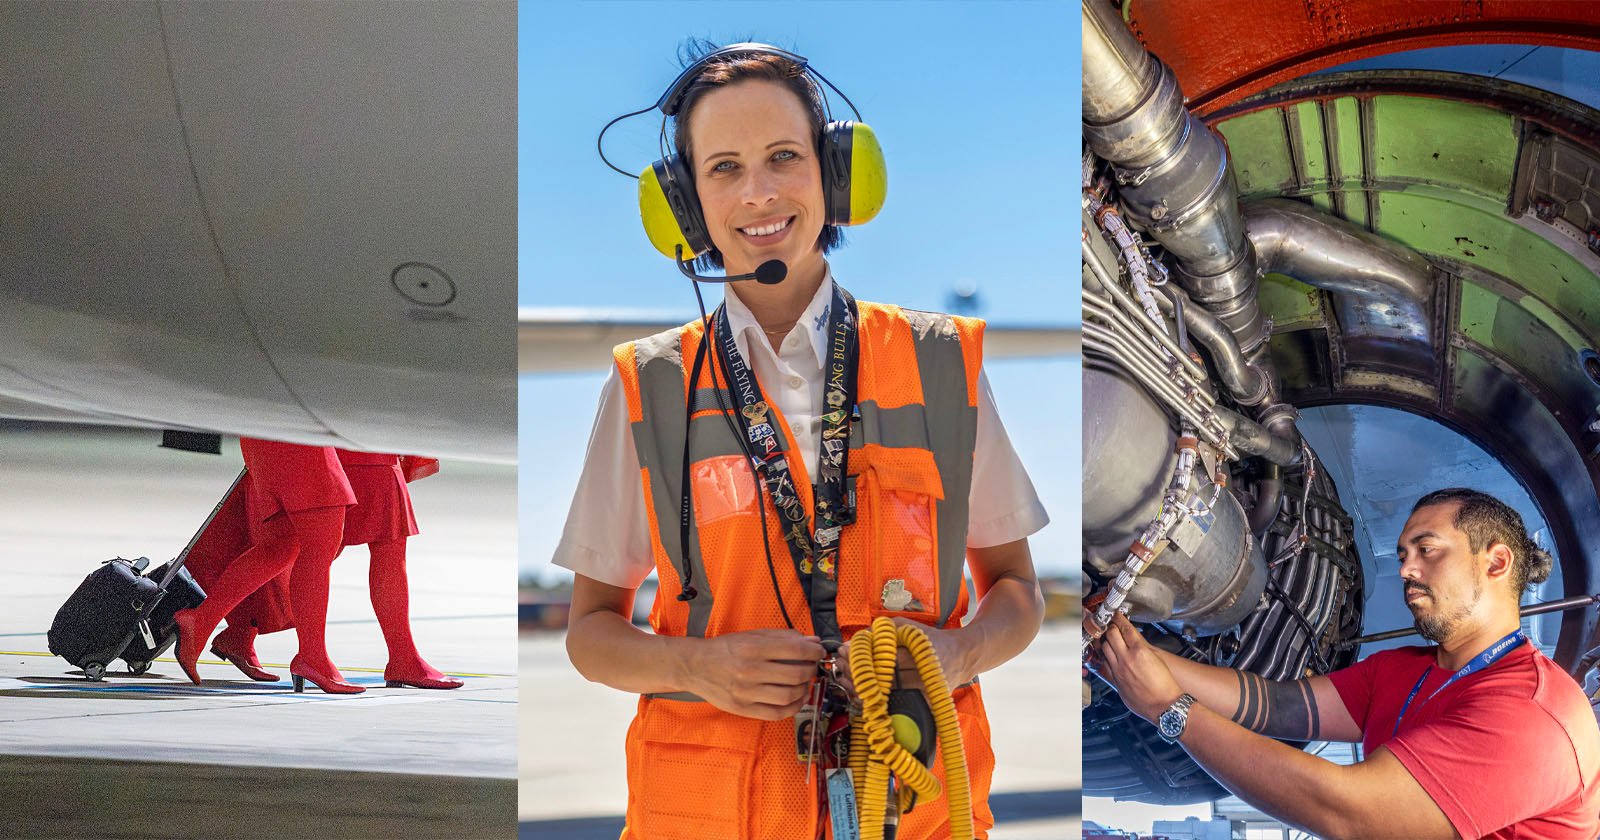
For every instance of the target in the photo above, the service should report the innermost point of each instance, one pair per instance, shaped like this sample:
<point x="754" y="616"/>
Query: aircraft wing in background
<point x="557" y="340"/>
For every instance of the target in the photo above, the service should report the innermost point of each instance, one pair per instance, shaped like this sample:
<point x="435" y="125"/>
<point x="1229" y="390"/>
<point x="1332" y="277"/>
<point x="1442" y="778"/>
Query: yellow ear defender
<point x="855" y="179"/>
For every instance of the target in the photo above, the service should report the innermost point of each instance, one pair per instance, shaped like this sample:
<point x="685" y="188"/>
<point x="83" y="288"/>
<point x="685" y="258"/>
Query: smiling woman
<point x="760" y="185"/>
<point x="908" y="484"/>
<point x="766" y="130"/>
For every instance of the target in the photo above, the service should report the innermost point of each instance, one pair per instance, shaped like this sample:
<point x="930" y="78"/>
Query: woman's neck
<point x="781" y="304"/>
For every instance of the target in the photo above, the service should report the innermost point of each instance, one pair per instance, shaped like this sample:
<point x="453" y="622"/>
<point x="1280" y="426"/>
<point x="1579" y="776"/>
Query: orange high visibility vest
<point x="695" y="772"/>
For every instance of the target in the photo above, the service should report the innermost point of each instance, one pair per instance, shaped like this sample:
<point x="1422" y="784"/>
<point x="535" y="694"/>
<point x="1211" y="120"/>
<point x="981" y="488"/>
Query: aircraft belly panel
<point x="364" y="205"/>
<point x="112" y="300"/>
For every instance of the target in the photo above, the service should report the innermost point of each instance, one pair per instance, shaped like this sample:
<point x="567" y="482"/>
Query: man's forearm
<point x="1295" y="787"/>
<point x="1215" y="687"/>
<point x="1277" y="709"/>
<point x="1301" y="789"/>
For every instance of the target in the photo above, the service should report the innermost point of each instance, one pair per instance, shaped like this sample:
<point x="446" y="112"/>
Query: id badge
<point x="807" y="742"/>
<point x="842" y="805"/>
<point x="809" y="725"/>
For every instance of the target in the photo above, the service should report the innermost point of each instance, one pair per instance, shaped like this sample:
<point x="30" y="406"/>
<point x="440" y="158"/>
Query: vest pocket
<point x="679" y="790"/>
<point x="904" y="567"/>
<point x="723" y="487"/>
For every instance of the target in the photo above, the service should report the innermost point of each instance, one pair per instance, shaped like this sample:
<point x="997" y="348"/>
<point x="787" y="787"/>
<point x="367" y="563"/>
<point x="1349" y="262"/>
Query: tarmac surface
<point x="235" y="757"/>
<point x="572" y="782"/>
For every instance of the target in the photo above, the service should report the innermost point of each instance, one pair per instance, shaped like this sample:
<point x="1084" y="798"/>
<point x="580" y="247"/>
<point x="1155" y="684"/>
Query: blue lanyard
<point x="1494" y="653"/>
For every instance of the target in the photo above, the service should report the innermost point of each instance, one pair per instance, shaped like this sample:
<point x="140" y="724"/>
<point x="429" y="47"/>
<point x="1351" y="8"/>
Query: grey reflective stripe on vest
<point x="684" y="696"/>
<point x="906" y="426"/>
<point x="710" y="438"/>
<point x="690" y="697"/>
<point x="952" y="437"/>
<point x="659" y="442"/>
<point x="705" y="399"/>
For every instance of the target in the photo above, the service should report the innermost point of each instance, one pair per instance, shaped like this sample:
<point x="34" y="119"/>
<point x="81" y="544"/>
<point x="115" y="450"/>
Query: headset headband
<point x="854" y="177"/>
<point x="672" y="99"/>
<point x="669" y="101"/>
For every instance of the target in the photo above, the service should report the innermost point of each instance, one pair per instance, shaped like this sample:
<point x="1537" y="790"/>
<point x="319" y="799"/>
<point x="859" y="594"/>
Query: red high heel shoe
<point x="425" y="677"/>
<point x="329" y="683"/>
<point x="190" y="643"/>
<point x="245" y="661"/>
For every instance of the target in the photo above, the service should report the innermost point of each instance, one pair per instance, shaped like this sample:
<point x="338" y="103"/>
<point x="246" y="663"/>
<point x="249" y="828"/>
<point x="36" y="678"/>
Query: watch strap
<point x="1178" y="712"/>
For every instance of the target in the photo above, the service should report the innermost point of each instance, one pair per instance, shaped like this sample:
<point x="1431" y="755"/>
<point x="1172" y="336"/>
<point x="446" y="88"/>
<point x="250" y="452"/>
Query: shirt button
<point x="798" y="428"/>
<point x="796" y="382"/>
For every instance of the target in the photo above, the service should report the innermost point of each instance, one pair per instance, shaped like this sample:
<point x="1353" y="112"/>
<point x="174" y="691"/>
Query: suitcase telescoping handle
<point x="172" y="570"/>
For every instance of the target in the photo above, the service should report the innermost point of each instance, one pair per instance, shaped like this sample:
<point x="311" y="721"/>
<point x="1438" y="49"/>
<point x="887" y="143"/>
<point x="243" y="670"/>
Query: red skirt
<point x="383" y="504"/>
<point x="291" y="477"/>
<point x="227" y="537"/>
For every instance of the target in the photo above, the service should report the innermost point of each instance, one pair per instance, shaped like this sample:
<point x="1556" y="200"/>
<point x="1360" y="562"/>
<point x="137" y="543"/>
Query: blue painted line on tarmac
<point x="256" y="690"/>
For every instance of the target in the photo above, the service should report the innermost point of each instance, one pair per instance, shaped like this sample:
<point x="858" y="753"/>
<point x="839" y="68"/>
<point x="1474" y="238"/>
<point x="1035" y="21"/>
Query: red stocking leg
<point x="320" y="532"/>
<point x="237" y="644"/>
<point x="277" y="549"/>
<point x="238" y="638"/>
<point x="391" y="602"/>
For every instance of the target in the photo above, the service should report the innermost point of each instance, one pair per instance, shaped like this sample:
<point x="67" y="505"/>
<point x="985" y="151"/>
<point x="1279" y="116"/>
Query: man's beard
<point x="1437" y="626"/>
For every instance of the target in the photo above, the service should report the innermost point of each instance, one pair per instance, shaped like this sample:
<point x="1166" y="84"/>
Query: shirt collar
<point x="814" y="319"/>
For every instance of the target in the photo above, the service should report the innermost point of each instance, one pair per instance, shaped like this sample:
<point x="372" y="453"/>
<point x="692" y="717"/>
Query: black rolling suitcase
<point x="121" y="612"/>
<point x="182" y="593"/>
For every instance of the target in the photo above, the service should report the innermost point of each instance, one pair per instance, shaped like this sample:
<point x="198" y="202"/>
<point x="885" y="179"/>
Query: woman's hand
<point x="755" y="673"/>
<point x="764" y="674"/>
<point x="949" y="646"/>
<point x="954" y="655"/>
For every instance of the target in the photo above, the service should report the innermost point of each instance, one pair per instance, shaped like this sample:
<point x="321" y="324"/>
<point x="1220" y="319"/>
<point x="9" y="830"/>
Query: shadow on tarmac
<point x="81" y="797"/>
<point x="1023" y="806"/>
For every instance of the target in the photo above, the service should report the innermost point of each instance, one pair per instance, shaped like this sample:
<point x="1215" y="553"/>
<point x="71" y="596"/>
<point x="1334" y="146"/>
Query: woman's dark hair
<point x="1487" y="520"/>
<point x="738" y="68"/>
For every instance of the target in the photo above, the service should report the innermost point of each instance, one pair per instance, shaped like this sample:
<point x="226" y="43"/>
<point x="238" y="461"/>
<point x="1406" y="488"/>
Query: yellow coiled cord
<point x="874" y="753"/>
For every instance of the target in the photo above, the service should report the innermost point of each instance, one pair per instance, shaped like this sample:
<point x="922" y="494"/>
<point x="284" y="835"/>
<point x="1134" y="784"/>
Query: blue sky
<point x="977" y="107"/>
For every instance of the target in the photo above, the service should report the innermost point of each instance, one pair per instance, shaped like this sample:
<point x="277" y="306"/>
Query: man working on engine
<point x="1477" y="735"/>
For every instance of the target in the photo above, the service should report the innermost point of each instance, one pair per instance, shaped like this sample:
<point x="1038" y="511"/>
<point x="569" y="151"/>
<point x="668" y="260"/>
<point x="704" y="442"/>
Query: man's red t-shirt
<point x="1512" y="751"/>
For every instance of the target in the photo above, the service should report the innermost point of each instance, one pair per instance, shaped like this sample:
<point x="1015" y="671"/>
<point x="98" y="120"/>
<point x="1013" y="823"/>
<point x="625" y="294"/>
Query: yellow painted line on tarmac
<point x="264" y="664"/>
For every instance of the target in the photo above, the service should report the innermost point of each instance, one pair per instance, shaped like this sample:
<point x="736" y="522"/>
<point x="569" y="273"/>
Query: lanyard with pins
<point x="1492" y="654"/>
<point x="815" y="551"/>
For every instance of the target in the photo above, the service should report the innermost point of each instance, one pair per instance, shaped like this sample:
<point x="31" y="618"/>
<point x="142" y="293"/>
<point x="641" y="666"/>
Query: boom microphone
<point x="769" y="273"/>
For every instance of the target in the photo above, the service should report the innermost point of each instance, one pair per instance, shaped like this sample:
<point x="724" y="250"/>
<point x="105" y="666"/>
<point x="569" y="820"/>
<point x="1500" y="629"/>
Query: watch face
<point x="1171" y="725"/>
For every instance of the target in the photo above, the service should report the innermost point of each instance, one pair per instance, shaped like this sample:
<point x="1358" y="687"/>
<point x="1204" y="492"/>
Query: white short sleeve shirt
<point x="607" y="532"/>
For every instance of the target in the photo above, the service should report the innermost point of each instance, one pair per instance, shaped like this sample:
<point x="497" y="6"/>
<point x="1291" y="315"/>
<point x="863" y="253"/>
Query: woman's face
<point x="758" y="176"/>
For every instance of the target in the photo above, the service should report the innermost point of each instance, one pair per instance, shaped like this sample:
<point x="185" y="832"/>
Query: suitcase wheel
<point x="138" y="667"/>
<point x="94" y="671"/>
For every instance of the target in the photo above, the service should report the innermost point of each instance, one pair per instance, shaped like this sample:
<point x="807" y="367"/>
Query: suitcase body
<point x="101" y="618"/>
<point x="119" y="611"/>
<point x="182" y="593"/>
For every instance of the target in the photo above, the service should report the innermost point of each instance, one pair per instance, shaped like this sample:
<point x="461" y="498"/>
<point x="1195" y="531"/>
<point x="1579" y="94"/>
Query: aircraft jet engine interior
<point x="1269" y="247"/>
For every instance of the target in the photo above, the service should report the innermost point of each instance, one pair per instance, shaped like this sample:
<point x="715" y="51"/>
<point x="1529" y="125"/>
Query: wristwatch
<point x="1175" y="719"/>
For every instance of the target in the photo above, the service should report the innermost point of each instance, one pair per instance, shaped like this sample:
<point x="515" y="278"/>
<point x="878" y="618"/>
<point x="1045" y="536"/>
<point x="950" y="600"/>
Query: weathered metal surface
<point x="1241" y="47"/>
<point x="1493" y="183"/>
